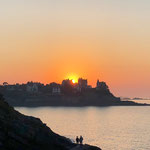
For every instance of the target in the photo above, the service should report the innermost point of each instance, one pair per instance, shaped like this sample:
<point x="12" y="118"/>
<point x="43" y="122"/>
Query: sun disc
<point x="73" y="78"/>
<point x="73" y="81"/>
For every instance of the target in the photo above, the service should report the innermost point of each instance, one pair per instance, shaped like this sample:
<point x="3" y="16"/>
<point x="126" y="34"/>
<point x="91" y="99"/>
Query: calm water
<point x="111" y="128"/>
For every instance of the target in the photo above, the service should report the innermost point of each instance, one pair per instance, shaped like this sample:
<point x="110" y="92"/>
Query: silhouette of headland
<point x="34" y="94"/>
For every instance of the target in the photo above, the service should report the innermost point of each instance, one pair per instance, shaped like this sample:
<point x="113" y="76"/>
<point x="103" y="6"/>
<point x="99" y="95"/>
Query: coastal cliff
<point x="20" y="132"/>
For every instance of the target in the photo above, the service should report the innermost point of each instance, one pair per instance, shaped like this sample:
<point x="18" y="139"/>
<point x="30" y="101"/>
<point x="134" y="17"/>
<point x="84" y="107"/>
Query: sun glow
<point x="73" y="78"/>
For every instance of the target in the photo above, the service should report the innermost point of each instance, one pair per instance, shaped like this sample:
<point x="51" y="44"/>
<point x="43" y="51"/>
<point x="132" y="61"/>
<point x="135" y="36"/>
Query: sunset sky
<point x="49" y="40"/>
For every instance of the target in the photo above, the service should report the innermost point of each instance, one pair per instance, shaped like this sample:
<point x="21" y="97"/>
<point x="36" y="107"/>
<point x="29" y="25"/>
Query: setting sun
<point x="73" y="78"/>
<point x="73" y="81"/>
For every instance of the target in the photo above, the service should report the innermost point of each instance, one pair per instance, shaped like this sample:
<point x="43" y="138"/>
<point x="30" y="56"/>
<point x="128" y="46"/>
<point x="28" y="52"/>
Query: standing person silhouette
<point x="81" y="139"/>
<point x="77" y="140"/>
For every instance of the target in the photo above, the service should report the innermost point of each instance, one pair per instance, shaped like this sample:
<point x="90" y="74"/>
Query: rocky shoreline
<point x="68" y="101"/>
<point x="20" y="132"/>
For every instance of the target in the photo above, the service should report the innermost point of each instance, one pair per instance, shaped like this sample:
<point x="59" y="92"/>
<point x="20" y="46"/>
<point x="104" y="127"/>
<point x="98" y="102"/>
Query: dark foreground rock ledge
<point x="85" y="147"/>
<point x="20" y="132"/>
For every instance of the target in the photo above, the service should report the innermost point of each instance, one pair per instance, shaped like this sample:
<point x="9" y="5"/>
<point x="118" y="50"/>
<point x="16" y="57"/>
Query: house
<point x="56" y="91"/>
<point x="82" y="83"/>
<point x="101" y="85"/>
<point x="32" y="87"/>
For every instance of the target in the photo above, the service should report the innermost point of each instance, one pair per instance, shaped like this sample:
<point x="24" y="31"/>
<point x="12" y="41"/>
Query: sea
<point x="110" y="128"/>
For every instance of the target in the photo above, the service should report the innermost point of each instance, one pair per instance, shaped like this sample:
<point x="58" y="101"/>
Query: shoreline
<point x="83" y="100"/>
<point x="69" y="106"/>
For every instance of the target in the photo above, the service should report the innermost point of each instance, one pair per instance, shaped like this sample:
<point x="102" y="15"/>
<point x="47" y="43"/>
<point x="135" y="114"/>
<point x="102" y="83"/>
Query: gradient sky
<point x="49" y="40"/>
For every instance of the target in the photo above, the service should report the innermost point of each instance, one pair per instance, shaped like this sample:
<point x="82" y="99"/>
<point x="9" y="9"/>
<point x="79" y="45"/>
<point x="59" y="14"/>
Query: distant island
<point x="139" y="98"/>
<point x="135" y="98"/>
<point x="68" y="93"/>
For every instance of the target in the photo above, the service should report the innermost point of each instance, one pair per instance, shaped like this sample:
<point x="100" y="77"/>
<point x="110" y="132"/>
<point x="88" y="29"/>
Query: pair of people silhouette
<point x="79" y="140"/>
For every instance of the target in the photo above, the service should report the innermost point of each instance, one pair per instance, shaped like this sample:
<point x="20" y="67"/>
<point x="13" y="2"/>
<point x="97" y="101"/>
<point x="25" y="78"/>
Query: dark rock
<point x="20" y="132"/>
<point x="85" y="147"/>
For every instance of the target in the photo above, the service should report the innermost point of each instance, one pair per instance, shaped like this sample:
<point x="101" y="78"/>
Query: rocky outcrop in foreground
<point x="20" y="132"/>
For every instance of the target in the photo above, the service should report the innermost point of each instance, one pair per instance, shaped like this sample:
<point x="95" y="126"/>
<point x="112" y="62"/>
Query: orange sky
<point x="51" y="40"/>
